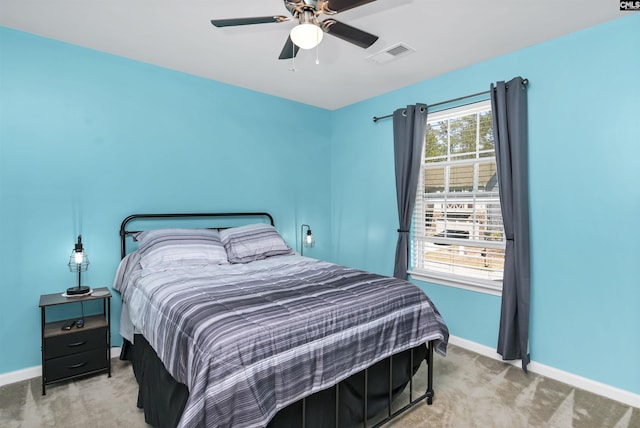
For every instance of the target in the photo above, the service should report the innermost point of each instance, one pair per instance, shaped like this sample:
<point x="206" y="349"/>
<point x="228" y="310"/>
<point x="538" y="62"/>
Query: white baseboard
<point x="599" y="388"/>
<point x="19" y="375"/>
<point x="31" y="372"/>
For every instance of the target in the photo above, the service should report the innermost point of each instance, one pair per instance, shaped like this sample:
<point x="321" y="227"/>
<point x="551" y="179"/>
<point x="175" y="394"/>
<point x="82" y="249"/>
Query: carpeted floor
<point x="471" y="391"/>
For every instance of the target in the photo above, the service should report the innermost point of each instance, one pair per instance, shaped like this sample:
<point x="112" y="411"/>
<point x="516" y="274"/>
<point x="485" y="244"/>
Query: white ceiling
<point x="178" y="35"/>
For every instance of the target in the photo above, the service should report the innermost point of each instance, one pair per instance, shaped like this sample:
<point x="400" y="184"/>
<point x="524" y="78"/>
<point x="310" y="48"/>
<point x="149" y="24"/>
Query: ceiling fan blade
<point x="247" y="21"/>
<point x="342" y="5"/>
<point x="348" y="33"/>
<point x="289" y="50"/>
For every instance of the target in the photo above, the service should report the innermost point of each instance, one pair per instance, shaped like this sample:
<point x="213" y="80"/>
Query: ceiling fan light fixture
<point x="307" y="34"/>
<point x="310" y="30"/>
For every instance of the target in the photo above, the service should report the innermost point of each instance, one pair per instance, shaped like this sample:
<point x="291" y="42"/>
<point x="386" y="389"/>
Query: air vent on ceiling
<point x="390" y="53"/>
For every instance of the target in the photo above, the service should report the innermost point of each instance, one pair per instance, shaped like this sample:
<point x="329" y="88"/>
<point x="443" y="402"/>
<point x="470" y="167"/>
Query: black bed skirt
<point x="163" y="398"/>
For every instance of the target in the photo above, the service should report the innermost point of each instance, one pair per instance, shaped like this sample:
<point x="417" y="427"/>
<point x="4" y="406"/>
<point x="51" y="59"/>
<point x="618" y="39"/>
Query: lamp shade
<point x="309" y="241"/>
<point x="306" y="36"/>
<point x="78" y="261"/>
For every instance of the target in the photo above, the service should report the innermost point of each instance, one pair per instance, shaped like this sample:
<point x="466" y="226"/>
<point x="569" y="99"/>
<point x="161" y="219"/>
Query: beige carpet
<point x="471" y="391"/>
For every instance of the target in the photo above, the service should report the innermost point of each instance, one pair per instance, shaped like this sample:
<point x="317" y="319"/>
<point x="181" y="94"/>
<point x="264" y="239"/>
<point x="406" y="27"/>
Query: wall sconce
<point x="78" y="262"/>
<point x="307" y="238"/>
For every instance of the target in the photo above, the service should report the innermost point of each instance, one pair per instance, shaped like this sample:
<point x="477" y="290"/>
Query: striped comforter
<point x="250" y="339"/>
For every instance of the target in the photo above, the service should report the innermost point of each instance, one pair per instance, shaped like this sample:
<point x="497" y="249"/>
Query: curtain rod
<point x="375" y="118"/>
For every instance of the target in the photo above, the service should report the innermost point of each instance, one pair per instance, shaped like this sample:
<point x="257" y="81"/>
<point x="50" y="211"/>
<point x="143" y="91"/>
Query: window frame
<point x="493" y="287"/>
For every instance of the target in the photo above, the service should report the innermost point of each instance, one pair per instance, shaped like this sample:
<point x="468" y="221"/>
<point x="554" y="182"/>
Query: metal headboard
<point x="124" y="232"/>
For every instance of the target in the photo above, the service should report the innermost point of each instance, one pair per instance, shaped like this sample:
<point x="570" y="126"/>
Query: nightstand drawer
<point x="76" y="342"/>
<point x="76" y="364"/>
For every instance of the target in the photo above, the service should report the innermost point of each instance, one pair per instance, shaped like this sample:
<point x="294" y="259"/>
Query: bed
<point x="227" y="326"/>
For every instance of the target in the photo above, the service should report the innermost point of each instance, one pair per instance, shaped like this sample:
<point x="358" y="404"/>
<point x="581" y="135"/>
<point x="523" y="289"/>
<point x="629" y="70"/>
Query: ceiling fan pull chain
<point x="293" y="59"/>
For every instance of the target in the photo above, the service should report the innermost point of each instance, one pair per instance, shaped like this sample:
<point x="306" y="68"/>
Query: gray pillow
<point x="253" y="242"/>
<point x="162" y="249"/>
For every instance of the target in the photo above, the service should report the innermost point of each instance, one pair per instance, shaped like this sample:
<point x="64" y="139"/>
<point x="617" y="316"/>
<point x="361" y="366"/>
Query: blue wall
<point x="88" y="138"/>
<point x="143" y="138"/>
<point x="584" y="136"/>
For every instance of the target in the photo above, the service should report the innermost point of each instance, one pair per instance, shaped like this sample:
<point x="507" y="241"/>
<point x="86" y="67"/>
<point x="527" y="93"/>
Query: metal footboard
<point x="428" y="394"/>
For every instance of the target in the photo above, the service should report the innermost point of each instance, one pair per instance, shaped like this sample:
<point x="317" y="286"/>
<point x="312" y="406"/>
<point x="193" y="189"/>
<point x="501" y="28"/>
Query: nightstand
<point x="67" y="354"/>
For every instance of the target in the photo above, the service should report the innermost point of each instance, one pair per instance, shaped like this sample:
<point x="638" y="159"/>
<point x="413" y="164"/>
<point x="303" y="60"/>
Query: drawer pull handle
<point x="75" y="366"/>
<point x="72" y="345"/>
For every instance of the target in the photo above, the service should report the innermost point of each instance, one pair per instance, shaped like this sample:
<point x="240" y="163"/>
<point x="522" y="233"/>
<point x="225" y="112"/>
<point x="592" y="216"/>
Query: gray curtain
<point x="409" y="126"/>
<point x="509" y="105"/>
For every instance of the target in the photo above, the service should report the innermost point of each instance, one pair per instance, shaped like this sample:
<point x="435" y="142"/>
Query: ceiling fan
<point x="309" y="31"/>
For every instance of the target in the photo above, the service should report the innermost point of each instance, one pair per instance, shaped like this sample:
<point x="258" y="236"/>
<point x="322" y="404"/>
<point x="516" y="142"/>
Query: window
<point x="458" y="237"/>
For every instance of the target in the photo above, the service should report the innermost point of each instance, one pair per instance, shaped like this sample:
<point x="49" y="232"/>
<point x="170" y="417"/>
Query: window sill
<point x="479" y="287"/>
